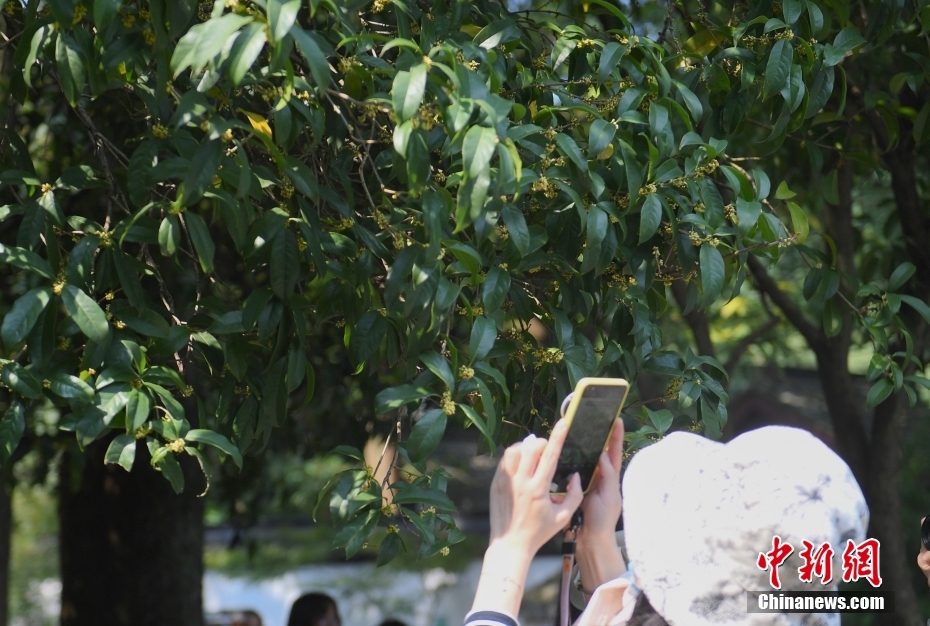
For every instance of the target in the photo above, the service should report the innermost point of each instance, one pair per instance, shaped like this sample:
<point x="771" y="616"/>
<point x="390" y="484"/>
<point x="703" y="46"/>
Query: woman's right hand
<point x="599" y="557"/>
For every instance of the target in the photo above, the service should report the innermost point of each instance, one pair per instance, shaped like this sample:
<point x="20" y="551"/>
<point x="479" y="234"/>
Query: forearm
<point x="599" y="561"/>
<point x="503" y="577"/>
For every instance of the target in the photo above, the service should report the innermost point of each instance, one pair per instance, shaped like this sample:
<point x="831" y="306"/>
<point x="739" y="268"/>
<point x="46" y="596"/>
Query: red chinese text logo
<point x="816" y="563"/>
<point x="775" y="557"/>
<point x="859" y="561"/>
<point x="862" y="562"/>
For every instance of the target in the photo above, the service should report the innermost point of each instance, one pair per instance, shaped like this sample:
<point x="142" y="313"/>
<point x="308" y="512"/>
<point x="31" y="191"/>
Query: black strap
<point x="491" y="616"/>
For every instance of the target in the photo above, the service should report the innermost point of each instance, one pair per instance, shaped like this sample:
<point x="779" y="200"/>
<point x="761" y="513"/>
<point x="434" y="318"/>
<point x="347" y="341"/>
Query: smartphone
<point x="592" y="413"/>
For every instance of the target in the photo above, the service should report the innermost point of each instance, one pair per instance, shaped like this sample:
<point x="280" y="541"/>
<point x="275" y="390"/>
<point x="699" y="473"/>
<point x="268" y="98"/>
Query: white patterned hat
<point x="697" y="514"/>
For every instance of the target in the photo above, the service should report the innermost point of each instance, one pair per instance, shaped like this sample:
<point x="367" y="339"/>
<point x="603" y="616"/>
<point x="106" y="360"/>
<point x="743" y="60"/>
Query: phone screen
<point x="598" y="408"/>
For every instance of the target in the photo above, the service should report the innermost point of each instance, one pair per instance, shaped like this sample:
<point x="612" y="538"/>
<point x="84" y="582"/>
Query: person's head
<point x="392" y="622"/>
<point x="314" y="609"/>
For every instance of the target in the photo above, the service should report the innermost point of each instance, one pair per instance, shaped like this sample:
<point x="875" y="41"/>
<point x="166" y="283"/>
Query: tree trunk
<point x="6" y="530"/>
<point x="875" y="465"/>
<point x="131" y="549"/>
<point x="897" y="562"/>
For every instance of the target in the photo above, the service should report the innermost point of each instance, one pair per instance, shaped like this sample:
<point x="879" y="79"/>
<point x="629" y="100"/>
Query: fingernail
<point x="529" y="438"/>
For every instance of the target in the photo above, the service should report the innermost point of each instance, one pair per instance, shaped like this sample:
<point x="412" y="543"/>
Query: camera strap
<point x="568" y="564"/>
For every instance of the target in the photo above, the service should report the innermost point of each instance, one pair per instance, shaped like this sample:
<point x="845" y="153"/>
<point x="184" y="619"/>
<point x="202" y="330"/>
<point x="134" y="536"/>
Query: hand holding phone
<point x="591" y="414"/>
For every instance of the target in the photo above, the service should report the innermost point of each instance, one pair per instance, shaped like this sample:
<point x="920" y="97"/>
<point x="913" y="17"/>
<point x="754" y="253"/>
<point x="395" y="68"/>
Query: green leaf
<point x="204" y="41"/>
<point x="174" y="408"/>
<point x="661" y="421"/>
<point x="820" y="91"/>
<point x="430" y="496"/>
<point x="146" y="322"/>
<point x="832" y="316"/>
<point x="282" y="14"/>
<point x="138" y="409"/>
<point x="367" y="336"/>
<point x="691" y="101"/>
<point x="846" y="40"/>
<point x="356" y="533"/>
<point x="70" y="67"/>
<point x="899" y="276"/>
<point x="168" y="465"/>
<point x="477" y="149"/>
<point x="169" y="235"/>
<point x="12" y="427"/>
<point x="122" y="451"/>
<point x="303" y="178"/>
<point x="650" y="217"/>
<point x="610" y="57"/>
<point x="395" y="397"/>
<point x="791" y="10"/>
<point x="26" y="260"/>
<point x="713" y="272"/>
<point x="218" y="441"/>
<point x="407" y="93"/>
<point x="284" y="264"/>
<point x="783" y="193"/>
<point x="68" y="386"/>
<point x="203" y="242"/>
<point x="17" y="378"/>
<point x="248" y="45"/>
<point x="49" y="203"/>
<point x="141" y="165"/>
<point x="777" y="68"/>
<point x="201" y="171"/>
<point x="918" y="306"/>
<point x="296" y="368"/>
<point x="81" y="261"/>
<point x="516" y="227"/>
<point x="879" y="392"/>
<point x="571" y="150"/>
<point x="105" y="11"/>
<point x="496" y="33"/>
<point x="23" y="315"/>
<point x="349" y="451"/>
<point x="483" y="336"/>
<point x="311" y="51"/>
<point x="799" y="222"/>
<point x="36" y="44"/>
<point x="599" y="137"/>
<point x="438" y="365"/>
<point x="390" y="547"/>
<point x="86" y="313"/>
<point x="426" y="435"/>
<point x="479" y="423"/>
<point x="494" y="289"/>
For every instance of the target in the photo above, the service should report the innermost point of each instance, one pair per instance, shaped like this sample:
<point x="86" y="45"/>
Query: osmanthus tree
<point x="435" y="178"/>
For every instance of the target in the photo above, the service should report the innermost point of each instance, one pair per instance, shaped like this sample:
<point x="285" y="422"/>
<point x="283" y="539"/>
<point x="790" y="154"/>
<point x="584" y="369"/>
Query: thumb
<point x="574" y="494"/>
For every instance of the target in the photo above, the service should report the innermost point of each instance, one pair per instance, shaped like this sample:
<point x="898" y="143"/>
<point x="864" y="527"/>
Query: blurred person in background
<point x="314" y="609"/>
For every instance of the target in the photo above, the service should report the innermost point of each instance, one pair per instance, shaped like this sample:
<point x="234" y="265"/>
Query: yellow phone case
<point x="575" y="402"/>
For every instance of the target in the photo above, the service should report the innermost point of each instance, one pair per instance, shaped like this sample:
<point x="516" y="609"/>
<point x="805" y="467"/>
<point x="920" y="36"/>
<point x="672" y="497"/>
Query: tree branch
<point x="697" y="320"/>
<point x="766" y="284"/>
